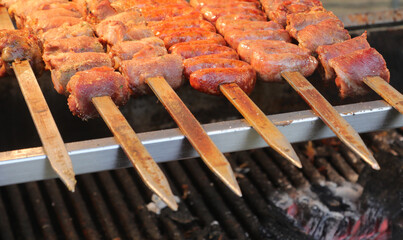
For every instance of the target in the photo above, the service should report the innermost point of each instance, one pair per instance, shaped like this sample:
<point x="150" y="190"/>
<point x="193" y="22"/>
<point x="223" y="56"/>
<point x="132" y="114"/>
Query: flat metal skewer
<point x="194" y="132"/>
<point x="54" y="146"/>
<point x="48" y="132"/>
<point x="45" y="124"/>
<point x="266" y="128"/>
<point x="148" y="170"/>
<point x="330" y="116"/>
<point x="386" y="91"/>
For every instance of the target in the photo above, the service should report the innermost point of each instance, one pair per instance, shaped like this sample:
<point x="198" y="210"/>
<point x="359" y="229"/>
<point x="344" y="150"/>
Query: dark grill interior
<point x="113" y="205"/>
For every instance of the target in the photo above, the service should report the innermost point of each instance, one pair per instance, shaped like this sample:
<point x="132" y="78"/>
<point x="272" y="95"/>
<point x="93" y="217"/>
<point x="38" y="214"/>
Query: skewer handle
<point x="330" y="116"/>
<point x="45" y="124"/>
<point x="386" y="91"/>
<point x="148" y="170"/>
<point x="266" y="128"/>
<point x="194" y="132"/>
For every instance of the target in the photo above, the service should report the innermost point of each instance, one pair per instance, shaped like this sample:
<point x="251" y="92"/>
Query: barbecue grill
<point x="92" y="150"/>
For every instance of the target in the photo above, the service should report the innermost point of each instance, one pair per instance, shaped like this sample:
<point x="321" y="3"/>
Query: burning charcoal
<point x="382" y="196"/>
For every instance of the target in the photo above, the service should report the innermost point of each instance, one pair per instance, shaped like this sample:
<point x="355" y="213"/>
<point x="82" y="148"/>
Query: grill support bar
<point x="25" y="165"/>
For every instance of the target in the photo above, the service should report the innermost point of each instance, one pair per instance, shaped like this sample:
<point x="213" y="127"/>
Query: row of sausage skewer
<point x="82" y="70"/>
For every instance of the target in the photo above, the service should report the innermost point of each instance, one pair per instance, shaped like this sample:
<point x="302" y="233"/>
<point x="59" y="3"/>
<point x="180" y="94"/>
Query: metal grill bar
<point x="167" y="145"/>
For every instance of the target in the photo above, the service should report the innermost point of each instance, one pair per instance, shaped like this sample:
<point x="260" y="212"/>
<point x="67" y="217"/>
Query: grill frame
<point x="230" y="136"/>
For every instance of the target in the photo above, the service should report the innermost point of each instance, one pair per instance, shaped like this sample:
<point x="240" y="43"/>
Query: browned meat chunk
<point x="191" y="34"/>
<point x="97" y="82"/>
<point x="278" y="10"/>
<point x="353" y="67"/>
<point x="298" y="21"/>
<point x="142" y="49"/>
<point x="211" y="50"/>
<point x="65" y="65"/>
<point x="234" y="37"/>
<point x="124" y="26"/>
<point x="224" y="26"/>
<point x="208" y="73"/>
<point x="161" y="29"/>
<point x="327" y="32"/>
<point x="66" y="31"/>
<point x="23" y="9"/>
<point x="16" y="45"/>
<point x="137" y="71"/>
<point x="161" y="13"/>
<point x="97" y="10"/>
<point x="199" y="4"/>
<point x="42" y="15"/>
<point x="327" y="52"/>
<point x="43" y="25"/>
<point x="77" y="44"/>
<point x="213" y="13"/>
<point x="127" y="5"/>
<point x="200" y="42"/>
<point x="271" y="58"/>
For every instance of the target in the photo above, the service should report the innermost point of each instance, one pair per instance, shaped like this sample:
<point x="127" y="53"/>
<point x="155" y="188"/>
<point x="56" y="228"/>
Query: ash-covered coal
<point x="382" y="199"/>
<point x="323" y="211"/>
<point x="372" y="208"/>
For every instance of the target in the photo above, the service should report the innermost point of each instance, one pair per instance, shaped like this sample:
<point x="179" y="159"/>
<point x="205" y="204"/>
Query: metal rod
<point x="194" y="132"/>
<point x="142" y="161"/>
<point x="260" y="122"/>
<point x="386" y="91"/>
<point x="41" y="115"/>
<point x="330" y="116"/>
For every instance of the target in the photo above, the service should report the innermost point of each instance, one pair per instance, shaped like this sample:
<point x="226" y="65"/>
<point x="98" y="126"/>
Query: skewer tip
<point x="376" y="166"/>
<point x="170" y="201"/>
<point x="291" y="156"/>
<point x="371" y="161"/>
<point x="70" y="182"/>
<point x="226" y="174"/>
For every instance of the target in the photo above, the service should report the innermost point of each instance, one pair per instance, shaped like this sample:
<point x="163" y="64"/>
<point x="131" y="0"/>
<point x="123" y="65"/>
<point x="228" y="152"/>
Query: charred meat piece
<point x="211" y="50"/>
<point x="161" y="13"/>
<point x="141" y="49"/>
<point x="278" y="10"/>
<point x="64" y="65"/>
<point x="66" y="31"/>
<point x="225" y="25"/>
<point x="169" y="66"/>
<point x="198" y="42"/>
<point x="327" y="32"/>
<point x="128" y="5"/>
<point x="213" y="13"/>
<point x="37" y="16"/>
<point x="327" y="52"/>
<point x="124" y="26"/>
<point x="45" y="24"/>
<point x="97" y="10"/>
<point x="297" y="22"/>
<point x="199" y="4"/>
<point x="22" y="9"/>
<point x="233" y="18"/>
<point x="208" y="73"/>
<point x="234" y="37"/>
<point x="161" y="29"/>
<point x="192" y="34"/>
<point x="271" y="58"/>
<point x="18" y="45"/>
<point x="353" y="67"/>
<point x="96" y="82"/>
<point x="77" y="44"/>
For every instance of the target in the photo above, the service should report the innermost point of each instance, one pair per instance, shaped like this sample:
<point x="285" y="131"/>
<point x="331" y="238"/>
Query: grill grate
<point x="113" y="205"/>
